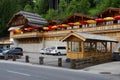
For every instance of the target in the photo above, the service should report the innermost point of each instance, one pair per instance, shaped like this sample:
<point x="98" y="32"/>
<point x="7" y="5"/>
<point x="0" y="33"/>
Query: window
<point x="74" y="47"/>
<point x="69" y="46"/>
<point x="61" y="47"/>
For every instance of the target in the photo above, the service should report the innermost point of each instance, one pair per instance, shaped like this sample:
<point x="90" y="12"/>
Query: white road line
<point x="18" y="73"/>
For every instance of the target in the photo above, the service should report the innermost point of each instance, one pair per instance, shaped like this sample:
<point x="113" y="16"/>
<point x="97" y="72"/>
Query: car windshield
<point x="5" y="51"/>
<point x="52" y="48"/>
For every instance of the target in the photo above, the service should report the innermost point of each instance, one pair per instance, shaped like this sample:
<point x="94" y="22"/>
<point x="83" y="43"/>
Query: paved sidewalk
<point x="106" y="68"/>
<point x="49" y="60"/>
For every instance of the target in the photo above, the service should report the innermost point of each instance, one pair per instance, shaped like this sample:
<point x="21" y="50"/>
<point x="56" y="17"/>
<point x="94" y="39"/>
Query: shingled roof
<point x="109" y="12"/>
<point x="86" y="36"/>
<point x="31" y="19"/>
<point x="76" y="17"/>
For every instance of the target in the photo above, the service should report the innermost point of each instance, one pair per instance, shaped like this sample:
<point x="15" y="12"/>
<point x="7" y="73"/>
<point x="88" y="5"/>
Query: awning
<point x="109" y="19"/>
<point x="15" y="28"/>
<point x="117" y="17"/>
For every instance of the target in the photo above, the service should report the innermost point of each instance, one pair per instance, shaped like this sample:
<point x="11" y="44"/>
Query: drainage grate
<point x="105" y="72"/>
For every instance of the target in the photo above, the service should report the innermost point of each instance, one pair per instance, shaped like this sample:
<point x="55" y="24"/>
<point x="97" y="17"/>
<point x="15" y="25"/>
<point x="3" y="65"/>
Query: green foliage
<point x="51" y="13"/>
<point x="41" y="6"/>
<point x="28" y="8"/>
<point x="84" y="6"/>
<point x="7" y="9"/>
<point x="91" y="7"/>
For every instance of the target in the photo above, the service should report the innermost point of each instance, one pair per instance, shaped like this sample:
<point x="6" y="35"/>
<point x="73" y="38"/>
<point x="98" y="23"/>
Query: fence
<point x="89" y="61"/>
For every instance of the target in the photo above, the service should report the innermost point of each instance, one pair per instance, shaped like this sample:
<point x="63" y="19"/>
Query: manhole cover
<point x="105" y="72"/>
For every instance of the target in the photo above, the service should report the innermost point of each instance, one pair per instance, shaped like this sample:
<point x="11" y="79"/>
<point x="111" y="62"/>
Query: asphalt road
<point x="21" y="71"/>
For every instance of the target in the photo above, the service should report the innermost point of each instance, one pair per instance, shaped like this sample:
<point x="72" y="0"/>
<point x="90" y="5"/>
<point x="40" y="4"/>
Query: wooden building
<point x="5" y="42"/>
<point x="83" y="45"/>
<point x="109" y="12"/>
<point x="76" y="17"/>
<point x="39" y="38"/>
<point x="24" y="28"/>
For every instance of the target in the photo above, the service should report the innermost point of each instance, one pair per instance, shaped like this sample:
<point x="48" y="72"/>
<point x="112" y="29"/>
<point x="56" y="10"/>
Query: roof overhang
<point x="88" y="37"/>
<point x="15" y="27"/>
<point x="72" y="34"/>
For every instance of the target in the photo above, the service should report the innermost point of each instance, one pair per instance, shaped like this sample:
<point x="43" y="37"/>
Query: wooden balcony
<point x="97" y="29"/>
<point x="58" y="33"/>
<point x="26" y="35"/>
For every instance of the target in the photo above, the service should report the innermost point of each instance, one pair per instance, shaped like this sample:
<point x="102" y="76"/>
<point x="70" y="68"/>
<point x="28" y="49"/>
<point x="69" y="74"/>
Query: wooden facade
<point x="109" y="12"/>
<point x="5" y="43"/>
<point x="20" y="20"/>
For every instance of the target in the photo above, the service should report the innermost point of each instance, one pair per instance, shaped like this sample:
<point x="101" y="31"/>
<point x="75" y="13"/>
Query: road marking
<point x="18" y="73"/>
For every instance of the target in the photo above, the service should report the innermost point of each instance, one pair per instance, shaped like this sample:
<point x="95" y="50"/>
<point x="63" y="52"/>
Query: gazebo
<point x="83" y="45"/>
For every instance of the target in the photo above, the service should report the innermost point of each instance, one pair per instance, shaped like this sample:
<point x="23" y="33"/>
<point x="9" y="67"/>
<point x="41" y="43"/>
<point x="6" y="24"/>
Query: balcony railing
<point x="27" y="35"/>
<point x="96" y="29"/>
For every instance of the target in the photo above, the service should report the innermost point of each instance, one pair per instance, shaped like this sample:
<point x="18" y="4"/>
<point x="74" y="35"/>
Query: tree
<point x="61" y="10"/>
<point x="41" y="6"/>
<point x="51" y="13"/>
<point x="62" y="6"/>
<point x="7" y="9"/>
<point x="23" y="3"/>
<point x="84" y="6"/>
<point x="115" y="3"/>
<point x="28" y="8"/>
<point x="103" y="5"/>
<point x="78" y="6"/>
<point x="72" y="8"/>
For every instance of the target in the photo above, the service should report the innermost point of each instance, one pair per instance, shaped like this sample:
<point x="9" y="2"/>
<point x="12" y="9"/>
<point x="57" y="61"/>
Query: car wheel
<point x="58" y="53"/>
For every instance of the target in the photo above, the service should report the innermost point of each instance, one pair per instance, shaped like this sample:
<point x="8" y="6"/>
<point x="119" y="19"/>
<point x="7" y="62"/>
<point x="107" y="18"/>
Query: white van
<point x="57" y="50"/>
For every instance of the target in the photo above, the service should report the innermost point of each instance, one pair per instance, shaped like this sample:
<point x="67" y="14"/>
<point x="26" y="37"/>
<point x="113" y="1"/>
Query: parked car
<point x="43" y="50"/>
<point x="13" y="51"/>
<point x="57" y="50"/>
<point x="116" y="56"/>
<point x="1" y="53"/>
<point x="1" y="50"/>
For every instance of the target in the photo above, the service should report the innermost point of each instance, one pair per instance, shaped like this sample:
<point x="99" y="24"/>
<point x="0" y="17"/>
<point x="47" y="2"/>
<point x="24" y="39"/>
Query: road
<point x="22" y="71"/>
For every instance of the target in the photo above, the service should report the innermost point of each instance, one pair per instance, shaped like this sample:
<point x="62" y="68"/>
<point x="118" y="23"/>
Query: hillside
<point x="64" y="9"/>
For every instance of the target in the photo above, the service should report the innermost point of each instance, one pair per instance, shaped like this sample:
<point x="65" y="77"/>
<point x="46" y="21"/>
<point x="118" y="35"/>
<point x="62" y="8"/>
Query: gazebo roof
<point x="109" y="12"/>
<point x="76" y="17"/>
<point x="32" y="18"/>
<point x="86" y="36"/>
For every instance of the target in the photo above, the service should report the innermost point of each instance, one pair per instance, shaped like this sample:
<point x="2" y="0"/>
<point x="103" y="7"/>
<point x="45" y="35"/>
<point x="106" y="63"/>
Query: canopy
<point x="77" y="23"/>
<point x="99" y="20"/>
<point x="117" y="17"/>
<point x="45" y="28"/>
<point x="71" y="24"/>
<point x="83" y="22"/>
<point x="91" y="21"/>
<point x="109" y="19"/>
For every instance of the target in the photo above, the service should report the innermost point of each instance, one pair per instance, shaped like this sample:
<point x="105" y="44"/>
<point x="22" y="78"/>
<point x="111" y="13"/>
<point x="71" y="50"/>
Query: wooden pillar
<point x="67" y="47"/>
<point x="11" y="33"/>
<point x="43" y="42"/>
<point x="110" y="46"/>
<point x="106" y="47"/>
<point x="83" y="46"/>
<point x="96" y="46"/>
